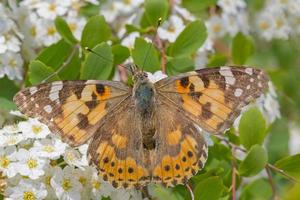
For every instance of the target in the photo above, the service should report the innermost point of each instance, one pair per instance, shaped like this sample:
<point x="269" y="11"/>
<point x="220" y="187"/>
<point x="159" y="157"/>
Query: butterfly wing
<point x="213" y="97"/>
<point x="73" y="109"/>
<point x="180" y="151"/>
<point x="119" y="148"/>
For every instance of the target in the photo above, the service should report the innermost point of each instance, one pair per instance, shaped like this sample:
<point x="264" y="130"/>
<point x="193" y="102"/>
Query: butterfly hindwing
<point x="181" y="150"/>
<point x="73" y="109"/>
<point x="213" y="97"/>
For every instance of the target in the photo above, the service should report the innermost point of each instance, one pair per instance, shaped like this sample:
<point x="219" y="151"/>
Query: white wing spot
<point x="54" y="92"/>
<point x="48" y="108"/>
<point x="249" y="71"/>
<point x="31" y="99"/>
<point x="238" y="92"/>
<point x="259" y="84"/>
<point x="227" y="73"/>
<point x="251" y="80"/>
<point x="33" y="90"/>
<point x="36" y="105"/>
<point x="248" y="87"/>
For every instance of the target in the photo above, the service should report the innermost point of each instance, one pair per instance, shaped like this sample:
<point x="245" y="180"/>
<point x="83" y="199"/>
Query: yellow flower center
<point x="279" y="23"/>
<point x="33" y="31"/>
<point x="51" y="31"/>
<point x="32" y="163"/>
<point x="66" y="184"/>
<point x="264" y="25"/>
<point x="128" y="2"/>
<point x="52" y="7"/>
<point x="36" y="129"/>
<point x="171" y="29"/>
<point x="29" y="195"/>
<point x="12" y="63"/>
<point x="96" y="184"/>
<point x="48" y="149"/>
<point x="47" y="180"/>
<point x="4" y="162"/>
<point x="73" y="26"/>
<point x="82" y="180"/>
<point x="216" y="28"/>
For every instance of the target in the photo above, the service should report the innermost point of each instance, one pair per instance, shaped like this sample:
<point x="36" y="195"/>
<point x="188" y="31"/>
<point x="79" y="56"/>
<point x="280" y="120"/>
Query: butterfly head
<point x="139" y="76"/>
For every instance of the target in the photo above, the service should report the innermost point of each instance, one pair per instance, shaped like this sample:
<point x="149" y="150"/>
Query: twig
<point x="283" y="173"/>
<point x="271" y="182"/>
<point x="189" y="187"/>
<point x="75" y="48"/>
<point x="163" y="54"/>
<point x="233" y="178"/>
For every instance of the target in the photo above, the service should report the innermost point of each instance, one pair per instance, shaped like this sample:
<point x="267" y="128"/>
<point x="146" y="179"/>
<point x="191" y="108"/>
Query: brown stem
<point x="233" y="183"/>
<point x="123" y="73"/>
<point x="283" y="173"/>
<point x="161" y="49"/>
<point x="271" y="182"/>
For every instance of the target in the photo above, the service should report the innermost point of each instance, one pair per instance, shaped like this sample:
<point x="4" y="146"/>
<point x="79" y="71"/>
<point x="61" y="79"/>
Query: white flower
<point x="11" y="129"/>
<point x="47" y="33"/>
<point x="236" y="23"/>
<point x="265" y="25"/>
<point x="51" y="9"/>
<point x="64" y="183"/>
<point x="109" y="11"/>
<point x="127" y="6"/>
<point x="100" y="188"/>
<point x="130" y="39"/>
<point x="27" y="189"/>
<point x="231" y="6"/>
<point x="29" y="164"/>
<point x="294" y="142"/>
<point x="13" y="65"/>
<point x="3" y="46"/>
<point x="46" y="179"/>
<point x="10" y="139"/>
<point x="84" y="176"/>
<point x="76" y="24"/>
<point x="184" y="13"/>
<point x="171" y="29"/>
<point x="73" y="158"/>
<point x="83" y="150"/>
<point x="215" y="27"/>
<point x="49" y="148"/>
<point x="12" y="42"/>
<point x="33" y="128"/>
<point x="7" y="159"/>
<point x="158" y="75"/>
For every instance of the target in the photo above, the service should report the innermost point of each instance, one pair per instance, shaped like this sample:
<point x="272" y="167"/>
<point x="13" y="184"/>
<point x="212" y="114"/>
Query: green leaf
<point x="154" y="9"/>
<point x="7" y="88"/>
<point x="72" y="70"/>
<point x="161" y="193"/>
<point x="252" y="128"/>
<point x="121" y="53"/>
<point x="54" y="55"/>
<point x="254" y="162"/>
<point x="197" y="7"/>
<point x="64" y="30"/>
<point x="89" y="10"/>
<point x="259" y="189"/>
<point x="96" y="67"/>
<point x="290" y="165"/>
<point x="278" y="140"/>
<point x="95" y="31"/>
<point x="209" y="189"/>
<point x="217" y="60"/>
<point x="179" y="65"/>
<point x="38" y="71"/>
<point x="145" y="55"/>
<point x="242" y="48"/>
<point x="7" y="104"/>
<point x="189" y="40"/>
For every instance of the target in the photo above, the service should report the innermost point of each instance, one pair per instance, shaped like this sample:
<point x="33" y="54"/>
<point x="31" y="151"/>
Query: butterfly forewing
<point x="213" y="97"/>
<point x="73" y="109"/>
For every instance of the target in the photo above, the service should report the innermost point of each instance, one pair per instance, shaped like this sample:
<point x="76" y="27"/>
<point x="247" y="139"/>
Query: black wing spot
<point x="184" y="82"/>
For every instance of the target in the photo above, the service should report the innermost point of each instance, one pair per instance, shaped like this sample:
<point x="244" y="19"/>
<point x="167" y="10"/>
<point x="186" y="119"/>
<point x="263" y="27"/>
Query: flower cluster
<point x="37" y="165"/>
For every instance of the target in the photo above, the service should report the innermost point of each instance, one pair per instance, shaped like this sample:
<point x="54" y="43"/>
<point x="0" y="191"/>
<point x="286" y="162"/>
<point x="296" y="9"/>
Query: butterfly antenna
<point x="97" y="54"/>
<point x="151" y="45"/>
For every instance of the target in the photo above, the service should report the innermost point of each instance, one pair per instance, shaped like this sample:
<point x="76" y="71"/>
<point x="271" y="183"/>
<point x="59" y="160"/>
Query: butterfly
<point x="148" y="132"/>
